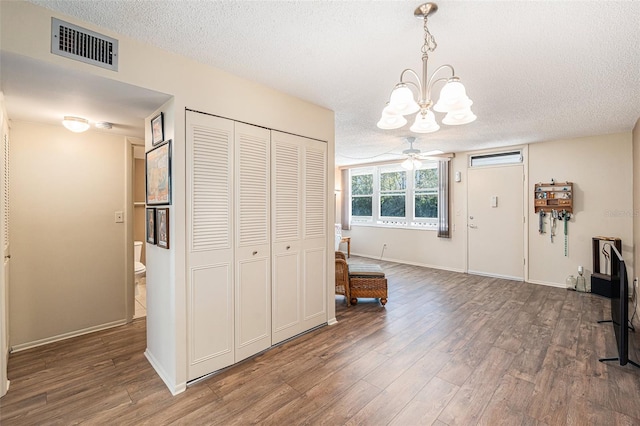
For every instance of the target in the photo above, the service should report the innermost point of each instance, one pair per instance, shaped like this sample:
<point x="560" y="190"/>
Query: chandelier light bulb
<point x="402" y="102"/>
<point x="456" y="118"/>
<point x="453" y="96"/>
<point x="390" y="121"/>
<point x="425" y="123"/>
<point x="75" y="124"/>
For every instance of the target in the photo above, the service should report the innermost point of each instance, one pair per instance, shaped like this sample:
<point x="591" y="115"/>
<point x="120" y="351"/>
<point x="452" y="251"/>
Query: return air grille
<point x="83" y="45"/>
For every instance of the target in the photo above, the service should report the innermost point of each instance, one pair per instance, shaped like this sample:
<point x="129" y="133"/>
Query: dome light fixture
<point x="75" y="124"/>
<point x="453" y="97"/>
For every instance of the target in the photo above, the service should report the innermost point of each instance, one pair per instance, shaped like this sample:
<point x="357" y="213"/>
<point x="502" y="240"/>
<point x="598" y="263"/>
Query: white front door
<point x="496" y="221"/>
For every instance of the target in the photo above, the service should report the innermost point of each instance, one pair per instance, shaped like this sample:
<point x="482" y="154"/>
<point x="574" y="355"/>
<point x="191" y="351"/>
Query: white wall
<point x="25" y="30"/>
<point x="68" y="254"/>
<point x="600" y="168"/>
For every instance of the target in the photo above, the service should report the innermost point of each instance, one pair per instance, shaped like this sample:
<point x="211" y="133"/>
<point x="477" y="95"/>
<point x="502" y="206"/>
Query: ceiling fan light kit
<point x="453" y="97"/>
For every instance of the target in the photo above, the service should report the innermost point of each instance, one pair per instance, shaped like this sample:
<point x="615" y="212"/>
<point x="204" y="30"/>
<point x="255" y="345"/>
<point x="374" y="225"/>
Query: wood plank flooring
<point x="448" y="349"/>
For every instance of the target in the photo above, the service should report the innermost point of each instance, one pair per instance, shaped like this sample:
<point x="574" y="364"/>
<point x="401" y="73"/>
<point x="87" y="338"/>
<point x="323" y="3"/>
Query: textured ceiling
<point x="535" y="70"/>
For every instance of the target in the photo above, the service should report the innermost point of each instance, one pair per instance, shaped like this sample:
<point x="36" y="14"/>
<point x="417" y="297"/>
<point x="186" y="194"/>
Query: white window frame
<point x="409" y="220"/>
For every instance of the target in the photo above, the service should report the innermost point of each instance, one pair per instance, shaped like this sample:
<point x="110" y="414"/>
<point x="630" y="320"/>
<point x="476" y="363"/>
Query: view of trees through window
<point x="390" y="193"/>
<point x="426" y="193"/>
<point x="362" y="195"/>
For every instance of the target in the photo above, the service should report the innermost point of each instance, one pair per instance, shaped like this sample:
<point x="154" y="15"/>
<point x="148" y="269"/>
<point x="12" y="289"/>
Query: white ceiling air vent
<point x="72" y="41"/>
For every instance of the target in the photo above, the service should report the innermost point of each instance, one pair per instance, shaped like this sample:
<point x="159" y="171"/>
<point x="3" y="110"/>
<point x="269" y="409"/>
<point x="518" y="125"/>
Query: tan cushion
<point x="365" y="270"/>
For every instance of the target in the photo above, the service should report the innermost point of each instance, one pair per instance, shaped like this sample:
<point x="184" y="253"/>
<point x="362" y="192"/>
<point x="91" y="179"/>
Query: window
<point x="391" y="195"/>
<point x="496" y="158"/>
<point x="362" y="194"/>
<point x="426" y="193"/>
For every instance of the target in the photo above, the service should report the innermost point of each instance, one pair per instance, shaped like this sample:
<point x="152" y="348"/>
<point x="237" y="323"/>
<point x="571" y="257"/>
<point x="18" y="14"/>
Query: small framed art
<point x="162" y="223"/>
<point x="157" y="129"/>
<point x="158" y="170"/>
<point x="151" y="226"/>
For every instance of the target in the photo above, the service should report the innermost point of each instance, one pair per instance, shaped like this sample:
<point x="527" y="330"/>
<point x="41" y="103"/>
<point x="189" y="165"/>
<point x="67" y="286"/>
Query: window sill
<point x="387" y="225"/>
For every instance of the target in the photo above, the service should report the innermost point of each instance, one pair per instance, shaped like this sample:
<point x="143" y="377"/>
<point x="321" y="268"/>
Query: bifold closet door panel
<point x="252" y="240"/>
<point x="286" y="201"/>
<point x="286" y="291"/>
<point x="210" y="257"/>
<point x="298" y="169"/>
<point x="314" y="225"/>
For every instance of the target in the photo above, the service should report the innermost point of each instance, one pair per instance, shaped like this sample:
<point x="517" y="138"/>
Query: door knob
<point x="8" y="256"/>
<point x="288" y="247"/>
<point x="255" y="252"/>
<point x="473" y="226"/>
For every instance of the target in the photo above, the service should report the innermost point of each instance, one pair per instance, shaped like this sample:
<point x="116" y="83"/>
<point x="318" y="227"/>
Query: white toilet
<point x="139" y="267"/>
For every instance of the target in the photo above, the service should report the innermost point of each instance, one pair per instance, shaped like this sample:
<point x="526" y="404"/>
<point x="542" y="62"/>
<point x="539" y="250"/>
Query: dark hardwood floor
<point x="448" y="349"/>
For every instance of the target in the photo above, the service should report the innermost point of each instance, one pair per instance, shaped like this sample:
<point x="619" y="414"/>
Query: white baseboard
<point x="424" y="265"/>
<point x="36" y="343"/>
<point x="332" y="321"/>
<point x="503" y="277"/>
<point x="548" y="284"/>
<point x="174" y="389"/>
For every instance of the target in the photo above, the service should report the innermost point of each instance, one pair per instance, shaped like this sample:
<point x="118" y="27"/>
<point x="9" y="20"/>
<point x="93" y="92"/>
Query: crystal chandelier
<point x="453" y="98"/>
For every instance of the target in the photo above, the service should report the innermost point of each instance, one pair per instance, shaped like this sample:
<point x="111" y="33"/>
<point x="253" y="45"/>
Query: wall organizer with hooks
<point x="556" y="196"/>
<point x="554" y="199"/>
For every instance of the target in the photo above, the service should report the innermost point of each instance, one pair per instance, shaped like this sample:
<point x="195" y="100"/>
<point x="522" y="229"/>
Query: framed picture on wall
<point x="157" y="129"/>
<point x="162" y="223"/>
<point x="151" y="226"/>
<point x="158" y="170"/>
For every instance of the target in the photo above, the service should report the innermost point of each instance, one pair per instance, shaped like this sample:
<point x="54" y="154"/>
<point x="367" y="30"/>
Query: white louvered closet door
<point x="314" y="238"/>
<point x="210" y="260"/>
<point x="252" y="241"/>
<point x="298" y="167"/>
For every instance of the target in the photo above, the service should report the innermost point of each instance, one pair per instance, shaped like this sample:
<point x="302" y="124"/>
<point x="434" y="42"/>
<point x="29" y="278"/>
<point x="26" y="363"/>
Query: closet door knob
<point x="288" y="247"/>
<point x="255" y="252"/>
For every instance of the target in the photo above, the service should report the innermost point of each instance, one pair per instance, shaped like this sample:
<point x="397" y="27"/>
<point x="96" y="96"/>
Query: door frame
<point x="525" y="202"/>
<point x="4" y="273"/>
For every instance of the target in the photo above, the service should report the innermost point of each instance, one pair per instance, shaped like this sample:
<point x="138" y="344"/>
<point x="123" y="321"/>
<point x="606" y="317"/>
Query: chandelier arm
<point x="432" y="82"/>
<point x="415" y="75"/>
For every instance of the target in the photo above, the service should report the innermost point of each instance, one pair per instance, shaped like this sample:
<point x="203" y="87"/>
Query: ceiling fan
<point x="415" y="155"/>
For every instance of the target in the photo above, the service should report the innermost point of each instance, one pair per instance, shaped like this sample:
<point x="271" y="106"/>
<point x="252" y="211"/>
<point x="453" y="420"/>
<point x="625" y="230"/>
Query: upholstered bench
<point x="367" y="281"/>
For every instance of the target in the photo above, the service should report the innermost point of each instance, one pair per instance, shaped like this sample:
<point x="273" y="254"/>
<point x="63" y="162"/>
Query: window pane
<point x="362" y="185"/>
<point x="427" y="179"/>
<point x="392" y="205"/>
<point x="427" y="206"/>
<point x="393" y="181"/>
<point x="361" y="206"/>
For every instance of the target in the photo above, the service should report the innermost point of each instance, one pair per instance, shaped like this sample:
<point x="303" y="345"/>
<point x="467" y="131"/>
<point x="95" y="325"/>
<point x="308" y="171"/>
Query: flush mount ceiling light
<point x="75" y="124"/>
<point x="415" y="155"/>
<point x="453" y="98"/>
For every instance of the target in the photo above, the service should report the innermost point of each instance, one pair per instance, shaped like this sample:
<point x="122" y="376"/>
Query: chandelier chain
<point x="429" y="41"/>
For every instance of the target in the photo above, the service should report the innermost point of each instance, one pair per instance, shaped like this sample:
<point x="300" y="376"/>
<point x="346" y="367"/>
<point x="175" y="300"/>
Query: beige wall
<point x="68" y="254"/>
<point x="600" y="168"/>
<point x="636" y="205"/>
<point x="25" y="30"/>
